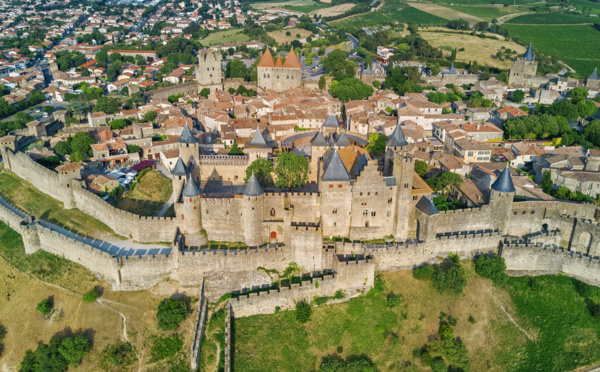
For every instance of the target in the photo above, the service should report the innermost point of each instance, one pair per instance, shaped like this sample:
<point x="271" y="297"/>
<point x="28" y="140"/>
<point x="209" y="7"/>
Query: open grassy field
<point x="264" y="5"/>
<point x="227" y="36"/>
<point x="392" y="12"/>
<point x="551" y="19"/>
<point x="476" y="48"/>
<point x="445" y="12"/>
<point x="487" y="13"/>
<point x="148" y="196"/>
<point x="333" y="10"/>
<point x="307" y="8"/>
<point x="26" y="279"/>
<point x="535" y="324"/>
<point x="575" y="45"/>
<point x="281" y="38"/>
<point x="26" y="197"/>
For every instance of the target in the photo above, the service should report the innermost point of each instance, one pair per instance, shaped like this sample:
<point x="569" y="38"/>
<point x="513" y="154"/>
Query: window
<point x="389" y="213"/>
<point x="182" y="216"/>
<point x="334" y="211"/>
<point x="470" y="153"/>
<point x="365" y="212"/>
<point x="390" y="200"/>
<point x="366" y="223"/>
<point x="340" y="186"/>
<point x="373" y="213"/>
<point x="363" y="204"/>
<point x="272" y="212"/>
<point x="331" y="186"/>
<point x="361" y="194"/>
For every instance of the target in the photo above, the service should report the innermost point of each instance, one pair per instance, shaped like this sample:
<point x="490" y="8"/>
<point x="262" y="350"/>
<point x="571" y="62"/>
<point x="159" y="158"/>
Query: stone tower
<point x="209" y="73"/>
<point x="403" y="171"/>
<point x="426" y="219"/>
<point x="395" y="143"/>
<point x="523" y="68"/>
<point x="192" y="213"/>
<point x="593" y="81"/>
<point x="253" y="212"/>
<point x="501" y="200"/>
<point x="318" y="148"/>
<point x="278" y="75"/>
<point x="179" y="174"/>
<point x="336" y="196"/>
<point x="69" y="176"/>
<point x="189" y="152"/>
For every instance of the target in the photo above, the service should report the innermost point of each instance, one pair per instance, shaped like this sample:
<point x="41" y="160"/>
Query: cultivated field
<point x="551" y="19"/>
<point x="392" y="12"/>
<point x="280" y="36"/>
<point x="476" y="49"/>
<point x="148" y="196"/>
<point x="576" y="45"/>
<point x="227" y="36"/>
<point x="487" y="2"/>
<point x="333" y="10"/>
<point x="444" y="12"/>
<point x="487" y="13"/>
<point x="264" y="5"/>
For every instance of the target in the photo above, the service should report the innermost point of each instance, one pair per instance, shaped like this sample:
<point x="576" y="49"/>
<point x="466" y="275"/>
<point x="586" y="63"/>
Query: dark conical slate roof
<point x="397" y="138"/>
<point x="426" y="206"/>
<point x="331" y="140"/>
<point x="187" y="136"/>
<point x="191" y="189"/>
<point x="331" y="122"/>
<point x="179" y="168"/>
<point x="594" y="75"/>
<point x="504" y="182"/>
<point x="253" y="188"/>
<point x="258" y="140"/>
<point x="452" y="70"/>
<point x="319" y="140"/>
<point x="529" y="54"/>
<point x="336" y="171"/>
<point x="343" y="140"/>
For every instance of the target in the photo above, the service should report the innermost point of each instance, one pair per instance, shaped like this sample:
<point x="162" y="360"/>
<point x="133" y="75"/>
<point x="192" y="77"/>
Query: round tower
<point x="31" y="238"/>
<point x="395" y="143"/>
<point x="253" y="213"/>
<point x="192" y="213"/>
<point x="179" y="174"/>
<point x="501" y="201"/>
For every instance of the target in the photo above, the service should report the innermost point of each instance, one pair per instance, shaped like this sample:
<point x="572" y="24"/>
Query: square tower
<point x="209" y="74"/>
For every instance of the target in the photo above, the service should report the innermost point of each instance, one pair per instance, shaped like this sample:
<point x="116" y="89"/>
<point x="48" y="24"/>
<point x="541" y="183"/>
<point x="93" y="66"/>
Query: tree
<point x="450" y="277"/>
<point x="263" y="171"/>
<point x="171" y="313"/>
<point x="132" y="149"/>
<point x="73" y="349"/>
<point x="446" y="332"/>
<point x="376" y="144"/>
<point x="350" y="89"/>
<point x="322" y="82"/>
<point x="492" y="267"/>
<point x="236" y="69"/>
<point x="62" y="148"/>
<point x="115" y="57"/>
<point x="44" y="307"/>
<point x="303" y="311"/>
<point x="125" y="91"/>
<point x="107" y="105"/>
<point x="231" y="90"/>
<point x="435" y="69"/>
<point x="578" y="94"/>
<point x="85" y="72"/>
<point x="547" y="184"/>
<point x="118" y="124"/>
<point x="337" y="64"/>
<point x="81" y="142"/>
<point x="48" y="109"/>
<point x="503" y="77"/>
<point x="586" y="108"/>
<point x="80" y="109"/>
<point x="565" y="109"/>
<point x="205" y="92"/>
<point x="592" y="132"/>
<point x="235" y="150"/>
<point x="421" y="168"/>
<point x="291" y="170"/>
<point x="518" y="96"/>
<point x="443" y="180"/>
<point x="90" y="296"/>
<point x="150" y="116"/>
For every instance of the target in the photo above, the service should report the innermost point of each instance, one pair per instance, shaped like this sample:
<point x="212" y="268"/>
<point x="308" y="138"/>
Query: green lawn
<point x="576" y="45"/>
<point x="487" y="12"/>
<point x="554" y="18"/>
<point x="227" y="36"/>
<point x="549" y="309"/>
<point x="22" y="194"/>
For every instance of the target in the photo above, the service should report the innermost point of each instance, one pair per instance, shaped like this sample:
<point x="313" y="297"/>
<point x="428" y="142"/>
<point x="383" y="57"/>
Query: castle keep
<point x="277" y="75"/>
<point x="352" y="198"/>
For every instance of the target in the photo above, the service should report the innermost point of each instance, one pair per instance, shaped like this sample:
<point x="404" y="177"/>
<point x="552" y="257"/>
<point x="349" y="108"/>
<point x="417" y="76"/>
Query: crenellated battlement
<point x="224" y="159"/>
<point x="483" y="208"/>
<point x="467" y="235"/>
<point x="234" y="252"/>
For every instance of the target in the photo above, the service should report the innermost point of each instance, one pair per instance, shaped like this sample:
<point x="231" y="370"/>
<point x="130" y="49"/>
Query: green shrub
<point x="44" y="307"/>
<point x="472" y="320"/>
<point x="165" y="347"/>
<point x="426" y="358"/>
<point x="446" y="332"/>
<point x="393" y="300"/>
<point x="303" y="311"/>
<point x="492" y="267"/>
<point x="438" y="365"/>
<point x="339" y="294"/>
<point x="119" y="354"/>
<point x="454" y="257"/>
<point x="171" y="313"/>
<point x="340" y="349"/>
<point x="423" y="272"/>
<point x="90" y="296"/>
<point x="57" y="355"/>
<point x="450" y="278"/>
<point x="452" y="320"/>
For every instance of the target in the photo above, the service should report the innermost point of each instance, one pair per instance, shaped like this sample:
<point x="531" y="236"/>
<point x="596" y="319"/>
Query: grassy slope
<point x="307" y="8"/>
<point x="564" y="333"/>
<point x="22" y="194"/>
<point x="227" y="36"/>
<point x="394" y="12"/>
<point x="148" y="196"/>
<point x="488" y="13"/>
<point x="564" y="42"/>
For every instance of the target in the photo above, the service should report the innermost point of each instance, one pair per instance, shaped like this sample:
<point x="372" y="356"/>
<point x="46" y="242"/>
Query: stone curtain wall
<point x="199" y="328"/>
<point x="163" y="93"/>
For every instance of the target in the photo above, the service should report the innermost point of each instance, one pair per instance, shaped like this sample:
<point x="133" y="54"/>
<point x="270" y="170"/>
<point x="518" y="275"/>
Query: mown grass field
<point x="22" y="194"/>
<point x="148" y="196"/>
<point x="487" y="12"/>
<point x="575" y="45"/>
<point x="551" y="19"/>
<point x="558" y="332"/>
<point x="307" y="8"/>
<point x="227" y="36"/>
<point x="392" y="12"/>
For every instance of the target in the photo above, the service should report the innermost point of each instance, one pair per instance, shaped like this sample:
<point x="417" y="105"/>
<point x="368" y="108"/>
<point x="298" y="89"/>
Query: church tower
<point x="523" y="68"/>
<point x="209" y="73"/>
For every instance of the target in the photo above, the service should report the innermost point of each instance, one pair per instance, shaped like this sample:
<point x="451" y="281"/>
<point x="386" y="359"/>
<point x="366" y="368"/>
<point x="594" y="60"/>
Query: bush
<point x="454" y="257"/>
<point x="423" y="272"/>
<point x="44" y="307"/>
<point x="171" y="313"/>
<point x="339" y="294"/>
<point x="450" y="278"/>
<point x="165" y="347"/>
<point x="393" y="300"/>
<point x="90" y="296"/>
<point x="472" y="320"/>
<point x="56" y="355"/>
<point x="492" y="267"/>
<point x="446" y="332"/>
<point x="303" y="311"/>
<point x="438" y="365"/>
<point x="452" y="320"/>
<point x="119" y="354"/>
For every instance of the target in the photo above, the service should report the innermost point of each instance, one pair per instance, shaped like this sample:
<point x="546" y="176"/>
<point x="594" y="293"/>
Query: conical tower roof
<point x="253" y="188"/>
<point x="267" y="59"/>
<point x="258" y="140"/>
<point x="278" y="63"/>
<point x="331" y="141"/>
<point x="343" y="140"/>
<point x="426" y="206"/>
<point x="452" y="70"/>
<point x="594" y="75"/>
<point x="336" y="171"/>
<point x="291" y="61"/>
<point x="318" y="140"/>
<point x="191" y="189"/>
<point x="187" y="136"/>
<point x="397" y="138"/>
<point x="529" y="54"/>
<point x="331" y="122"/>
<point x="504" y="182"/>
<point x="179" y="169"/>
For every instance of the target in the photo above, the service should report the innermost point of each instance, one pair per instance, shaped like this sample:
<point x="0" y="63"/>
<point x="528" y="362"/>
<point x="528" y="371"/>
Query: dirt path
<point x="508" y="17"/>
<point x="510" y="318"/>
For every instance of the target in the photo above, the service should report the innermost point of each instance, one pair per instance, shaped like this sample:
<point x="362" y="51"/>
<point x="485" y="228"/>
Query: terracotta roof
<point x="278" y="63"/>
<point x="291" y="60"/>
<point x="68" y="167"/>
<point x="267" y="60"/>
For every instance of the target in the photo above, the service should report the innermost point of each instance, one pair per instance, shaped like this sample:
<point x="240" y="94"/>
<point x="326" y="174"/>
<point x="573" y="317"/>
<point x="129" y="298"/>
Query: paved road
<point x="168" y="204"/>
<point x="353" y="40"/>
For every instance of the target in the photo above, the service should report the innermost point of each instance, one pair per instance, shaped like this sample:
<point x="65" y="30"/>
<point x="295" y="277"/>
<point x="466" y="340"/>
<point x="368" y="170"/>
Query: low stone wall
<point x="199" y="328"/>
<point x="228" y="337"/>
